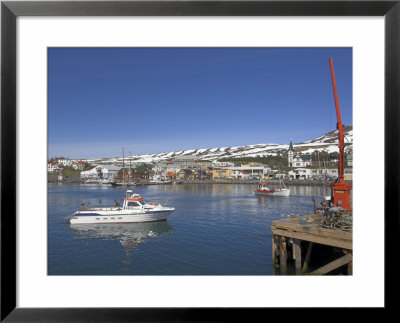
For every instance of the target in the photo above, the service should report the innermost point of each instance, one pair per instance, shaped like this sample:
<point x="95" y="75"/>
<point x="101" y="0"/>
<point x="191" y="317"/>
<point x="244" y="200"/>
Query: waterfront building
<point x="160" y="167"/>
<point x="79" y="165"/>
<point x="303" y="173"/>
<point x="349" y="160"/>
<point x="173" y="168"/>
<point x="65" y="162"/>
<point x="309" y="173"/>
<point x="348" y="174"/>
<point x="254" y="169"/>
<point x="302" y="160"/>
<point x="171" y="175"/>
<point x="184" y="173"/>
<point x="53" y="167"/>
<point x="140" y="172"/>
<point x="218" y="173"/>
<point x="239" y="174"/>
<point x="298" y="160"/>
<point x="101" y="171"/>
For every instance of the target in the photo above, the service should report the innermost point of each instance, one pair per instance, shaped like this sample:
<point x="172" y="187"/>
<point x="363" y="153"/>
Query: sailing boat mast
<point x="123" y="166"/>
<point x="130" y="171"/>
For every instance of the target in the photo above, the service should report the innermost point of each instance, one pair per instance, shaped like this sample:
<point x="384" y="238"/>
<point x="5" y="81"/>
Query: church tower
<point x="290" y="154"/>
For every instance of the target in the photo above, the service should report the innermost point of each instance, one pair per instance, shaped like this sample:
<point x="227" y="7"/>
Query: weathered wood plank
<point x="335" y="242"/>
<point x="333" y="265"/>
<point x="282" y="255"/>
<point x="312" y="228"/>
<point x="297" y="218"/>
<point x="297" y="254"/>
<point x="273" y="251"/>
<point x="307" y="259"/>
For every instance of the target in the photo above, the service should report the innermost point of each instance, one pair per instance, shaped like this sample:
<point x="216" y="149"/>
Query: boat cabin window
<point x="133" y="204"/>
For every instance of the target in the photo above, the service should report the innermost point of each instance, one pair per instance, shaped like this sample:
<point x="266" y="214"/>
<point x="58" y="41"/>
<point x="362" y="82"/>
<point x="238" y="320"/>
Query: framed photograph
<point x="108" y="107"/>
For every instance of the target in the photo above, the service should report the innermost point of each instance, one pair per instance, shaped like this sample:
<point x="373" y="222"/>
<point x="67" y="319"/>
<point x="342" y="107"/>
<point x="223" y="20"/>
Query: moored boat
<point x="134" y="209"/>
<point x="107" y="181"/>
<point x="265" y="189"/>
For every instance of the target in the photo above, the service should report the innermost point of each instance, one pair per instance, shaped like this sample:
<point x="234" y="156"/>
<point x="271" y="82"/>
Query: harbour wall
<point x="53" y="178"/>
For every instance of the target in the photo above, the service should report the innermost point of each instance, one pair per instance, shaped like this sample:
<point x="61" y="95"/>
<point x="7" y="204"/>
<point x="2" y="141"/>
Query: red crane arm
<point x="339" y="126"/>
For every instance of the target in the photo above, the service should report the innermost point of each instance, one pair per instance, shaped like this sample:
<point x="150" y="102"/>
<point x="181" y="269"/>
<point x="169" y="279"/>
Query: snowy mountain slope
<point x="327" y="142"/>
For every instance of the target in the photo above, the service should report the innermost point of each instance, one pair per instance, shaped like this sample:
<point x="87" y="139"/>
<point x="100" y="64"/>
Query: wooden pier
<point x="294" y="239"/>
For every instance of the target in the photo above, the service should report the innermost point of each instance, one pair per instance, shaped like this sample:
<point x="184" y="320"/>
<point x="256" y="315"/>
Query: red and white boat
<point x="265" y="189"/>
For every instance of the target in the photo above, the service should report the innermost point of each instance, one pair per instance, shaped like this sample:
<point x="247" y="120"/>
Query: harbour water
<point x="216" y="229"/>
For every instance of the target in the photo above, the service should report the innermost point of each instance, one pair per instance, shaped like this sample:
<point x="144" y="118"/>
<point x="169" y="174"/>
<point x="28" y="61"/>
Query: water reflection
<point x="218" y="229"/>
<point x="130" y="235"/>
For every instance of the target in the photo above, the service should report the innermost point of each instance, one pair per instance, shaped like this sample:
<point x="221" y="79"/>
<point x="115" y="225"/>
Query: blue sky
<point x="151" y="100"/>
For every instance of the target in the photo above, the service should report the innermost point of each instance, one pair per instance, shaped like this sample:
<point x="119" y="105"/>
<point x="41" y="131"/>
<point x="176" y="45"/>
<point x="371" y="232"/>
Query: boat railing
<point x="83" y="207"/>
<point x="109" y="208"/>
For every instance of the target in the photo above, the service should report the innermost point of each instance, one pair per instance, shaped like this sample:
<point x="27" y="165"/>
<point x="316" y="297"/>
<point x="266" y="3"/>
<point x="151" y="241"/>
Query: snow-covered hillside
<point x="327" y="142"/>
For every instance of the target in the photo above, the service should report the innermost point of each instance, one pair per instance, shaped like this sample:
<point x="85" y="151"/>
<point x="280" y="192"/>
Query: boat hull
<point x="121" y="216"/>
<point x="283" y="192"/>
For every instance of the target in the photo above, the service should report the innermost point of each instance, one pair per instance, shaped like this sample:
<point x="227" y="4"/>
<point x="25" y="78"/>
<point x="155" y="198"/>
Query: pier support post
<point x="274" y="263"/>
<point x="282" y="255"/>
<point x="350" y="268"/>
<point x="307" y="259"/>
<point x="350" y="264"/>
<point x="297" y="254"/>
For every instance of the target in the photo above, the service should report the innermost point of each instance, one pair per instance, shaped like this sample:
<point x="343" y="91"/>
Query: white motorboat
<point x="265" y="189"/>
<point x="134" y="209"/>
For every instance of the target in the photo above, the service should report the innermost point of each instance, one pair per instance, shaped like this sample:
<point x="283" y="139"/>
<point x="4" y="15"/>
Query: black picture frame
<point x="10" y="10"/>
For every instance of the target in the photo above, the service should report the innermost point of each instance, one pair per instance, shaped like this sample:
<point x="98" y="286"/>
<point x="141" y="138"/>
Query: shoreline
<point x="217" y="181"/>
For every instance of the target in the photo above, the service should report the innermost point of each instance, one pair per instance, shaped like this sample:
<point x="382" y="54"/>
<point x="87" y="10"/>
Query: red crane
<point x="341" y="190"/>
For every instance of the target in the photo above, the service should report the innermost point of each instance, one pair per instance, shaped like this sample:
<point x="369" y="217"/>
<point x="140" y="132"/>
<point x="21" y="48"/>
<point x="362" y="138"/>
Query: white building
<point x="65" y="162"/>
<point x="104" y="171"/>
<point x="298" y="160"/>
<point x="221" y="164"/>
<point x="308" y="173"/>
<point x="240" y="174"/>
<point x="254" y="169"/>
<point x="302" y="160"/>
<point x="53" y="167"/>
<point x="302" y="173"/>
<point x="79" y="165"/>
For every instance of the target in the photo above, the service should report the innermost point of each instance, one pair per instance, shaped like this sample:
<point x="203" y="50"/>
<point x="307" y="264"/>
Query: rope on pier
<point x="337" y="218"/>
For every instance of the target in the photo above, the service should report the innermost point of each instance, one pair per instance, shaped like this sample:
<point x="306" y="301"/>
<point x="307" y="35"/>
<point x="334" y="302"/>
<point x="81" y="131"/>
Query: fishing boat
<point x="106" y="181"/>
<point x="160" y="182"/>
<point x="265" y="189"/>
<point x="134" y="209"/>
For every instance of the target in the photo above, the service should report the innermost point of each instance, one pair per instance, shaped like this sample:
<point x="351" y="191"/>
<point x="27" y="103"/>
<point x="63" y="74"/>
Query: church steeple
<point x="290" y="154"/>
<point x="291" y="146"/>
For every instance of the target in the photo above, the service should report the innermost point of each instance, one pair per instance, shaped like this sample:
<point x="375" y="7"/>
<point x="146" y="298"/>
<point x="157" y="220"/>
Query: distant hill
<point x="327" y="142"/>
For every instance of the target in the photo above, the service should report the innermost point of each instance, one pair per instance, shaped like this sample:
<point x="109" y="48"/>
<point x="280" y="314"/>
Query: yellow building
<point x="221" y="173"/>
